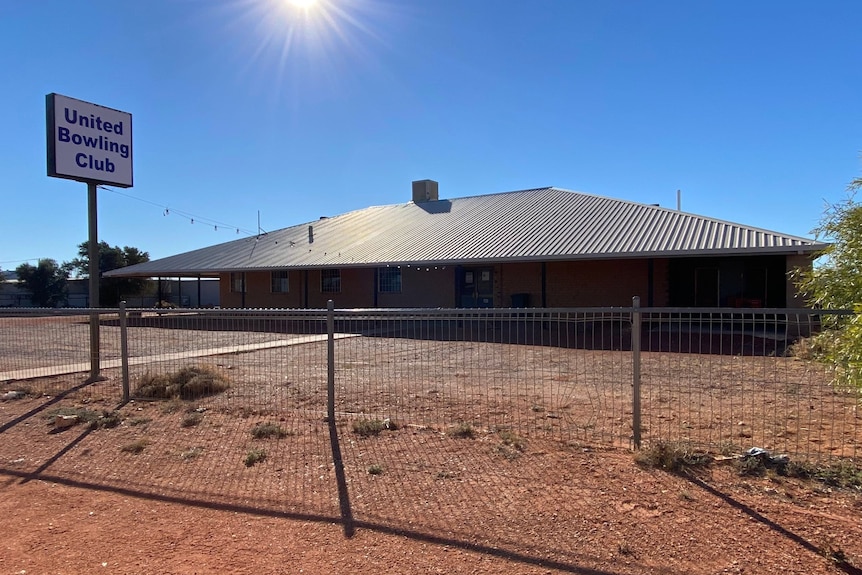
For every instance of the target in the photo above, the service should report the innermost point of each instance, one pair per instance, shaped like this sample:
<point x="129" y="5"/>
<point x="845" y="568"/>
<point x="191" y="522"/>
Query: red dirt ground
<point x="75" y="502"/>
<point x="158" y="495"/>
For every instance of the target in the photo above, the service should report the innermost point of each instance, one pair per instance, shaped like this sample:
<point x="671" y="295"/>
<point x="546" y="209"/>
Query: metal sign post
<point x="93" y="255"/>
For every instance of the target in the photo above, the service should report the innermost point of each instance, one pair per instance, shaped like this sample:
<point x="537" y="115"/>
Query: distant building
<point x="176" y="292"/>
<point x="12" y="294"/>
<point x="544" y="247"/>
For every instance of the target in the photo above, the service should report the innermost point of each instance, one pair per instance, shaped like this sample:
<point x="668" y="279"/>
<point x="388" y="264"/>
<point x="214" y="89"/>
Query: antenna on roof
<point x="678" y="201"/>
<point x="260" y="229"/>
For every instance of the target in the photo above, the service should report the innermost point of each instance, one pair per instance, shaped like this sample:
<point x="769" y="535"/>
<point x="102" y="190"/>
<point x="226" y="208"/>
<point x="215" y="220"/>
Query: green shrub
<point x="835" y="284"/>
<point x="843" y="473"/>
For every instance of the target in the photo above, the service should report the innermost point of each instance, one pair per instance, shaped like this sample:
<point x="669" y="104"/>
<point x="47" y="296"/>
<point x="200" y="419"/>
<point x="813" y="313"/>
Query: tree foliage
<point x="836" y="284"/>
<point x="46" y="282"/>
<point x="111" y="290"/>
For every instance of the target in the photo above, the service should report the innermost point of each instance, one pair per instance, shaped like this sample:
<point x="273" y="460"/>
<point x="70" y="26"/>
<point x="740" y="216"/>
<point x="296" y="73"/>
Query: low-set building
<point x="544" y="247"/>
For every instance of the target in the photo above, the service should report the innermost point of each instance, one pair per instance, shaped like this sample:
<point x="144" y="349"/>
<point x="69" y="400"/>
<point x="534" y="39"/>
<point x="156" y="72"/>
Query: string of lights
<point x="192" y="218"/>
<point x="166" y="211"/>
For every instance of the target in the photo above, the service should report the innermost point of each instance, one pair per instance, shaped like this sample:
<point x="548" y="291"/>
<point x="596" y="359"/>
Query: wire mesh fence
<point x="438" y="400"/>
<point x="729" y="380"/>
<point x="720" y="379"/>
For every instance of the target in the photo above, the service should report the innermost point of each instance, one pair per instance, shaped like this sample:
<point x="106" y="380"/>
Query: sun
<point x="297" y="48"/>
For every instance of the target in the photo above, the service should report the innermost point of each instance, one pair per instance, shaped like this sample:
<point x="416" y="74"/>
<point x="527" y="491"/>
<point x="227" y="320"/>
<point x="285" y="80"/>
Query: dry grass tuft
<point x="464" y="430"/>
<point x="191" y="419"/>
<point x="511" y="445"/>
<point x="255" y="456"/>
<point x="368" y="427"/>
<point x="135" y="447"/>
<point x="268" y="431"/>
<point x="188" y="383"/>
<point x="671" y="456"/>
<point x="101" y="419"/>
<point x="191" y="453"/>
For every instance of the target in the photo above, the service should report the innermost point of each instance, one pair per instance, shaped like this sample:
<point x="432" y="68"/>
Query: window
<point x="330" y="281"/>
<point x="237" y="282"/>
<point x="279" y="282"/>
<point x="389" y="280"/>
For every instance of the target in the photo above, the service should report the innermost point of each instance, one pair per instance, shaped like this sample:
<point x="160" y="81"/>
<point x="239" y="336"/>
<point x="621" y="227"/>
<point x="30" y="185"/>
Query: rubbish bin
<point x="520" y="300"/>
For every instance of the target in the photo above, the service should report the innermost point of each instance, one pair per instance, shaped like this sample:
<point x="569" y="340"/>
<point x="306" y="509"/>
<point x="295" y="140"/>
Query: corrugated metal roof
<point x="540" y="224"/>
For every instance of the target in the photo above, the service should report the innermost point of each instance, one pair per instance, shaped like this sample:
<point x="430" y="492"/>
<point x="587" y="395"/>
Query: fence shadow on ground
<point x="840" y="563"/>
<point x="492" y="550"/>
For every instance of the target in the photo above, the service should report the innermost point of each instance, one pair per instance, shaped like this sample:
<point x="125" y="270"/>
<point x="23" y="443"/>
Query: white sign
<point x="88" y="142"/>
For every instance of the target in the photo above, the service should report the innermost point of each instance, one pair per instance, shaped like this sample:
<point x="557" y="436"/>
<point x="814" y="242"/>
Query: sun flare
<point x="301" y="47"/>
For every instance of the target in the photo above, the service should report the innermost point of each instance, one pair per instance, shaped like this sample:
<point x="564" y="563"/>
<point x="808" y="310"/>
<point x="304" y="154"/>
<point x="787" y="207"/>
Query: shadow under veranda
<point x="334" y="519"/>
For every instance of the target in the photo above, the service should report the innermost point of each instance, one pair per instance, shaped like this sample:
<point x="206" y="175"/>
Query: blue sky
<point x="242" y="107"/>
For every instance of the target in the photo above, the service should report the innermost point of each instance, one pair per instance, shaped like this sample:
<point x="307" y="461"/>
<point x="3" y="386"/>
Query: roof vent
<point x="425" y="191"/>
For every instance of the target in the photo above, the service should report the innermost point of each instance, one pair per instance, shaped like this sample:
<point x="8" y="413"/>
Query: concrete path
<point x="84" y="367"/>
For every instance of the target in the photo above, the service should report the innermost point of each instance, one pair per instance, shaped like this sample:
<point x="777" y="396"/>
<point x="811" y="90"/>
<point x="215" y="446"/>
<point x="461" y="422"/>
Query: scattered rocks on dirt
<point x="766" y="456"/>
<point x="12" y="395"/>
<point x="64" y="421"/>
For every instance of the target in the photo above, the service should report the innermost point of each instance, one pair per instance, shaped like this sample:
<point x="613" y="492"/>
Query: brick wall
<point x="357" y="289"/>
<point x="596" y="283"/>
<point x="521" y="278"/>
<point x="568" y="284"/>
<point x="427" y="286"/>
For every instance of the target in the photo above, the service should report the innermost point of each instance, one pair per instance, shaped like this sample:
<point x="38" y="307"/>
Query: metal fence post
<point x="124" y="350"/>
<point x="330" y="360"/>
<point x="337" y="459"/>
<point x="636" y="372"/>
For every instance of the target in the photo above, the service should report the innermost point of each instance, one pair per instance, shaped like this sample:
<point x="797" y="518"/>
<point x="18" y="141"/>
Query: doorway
<point x="476" y="287"/>
<point x="706" y="287"/>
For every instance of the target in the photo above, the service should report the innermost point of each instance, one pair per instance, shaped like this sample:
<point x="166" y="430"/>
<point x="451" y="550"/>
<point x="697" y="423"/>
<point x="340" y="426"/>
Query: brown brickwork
<point x="427" y="286"/>
<point x="591" y="283"/>
<point x="520" y="278"/>
<point x="596" y="283"/>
